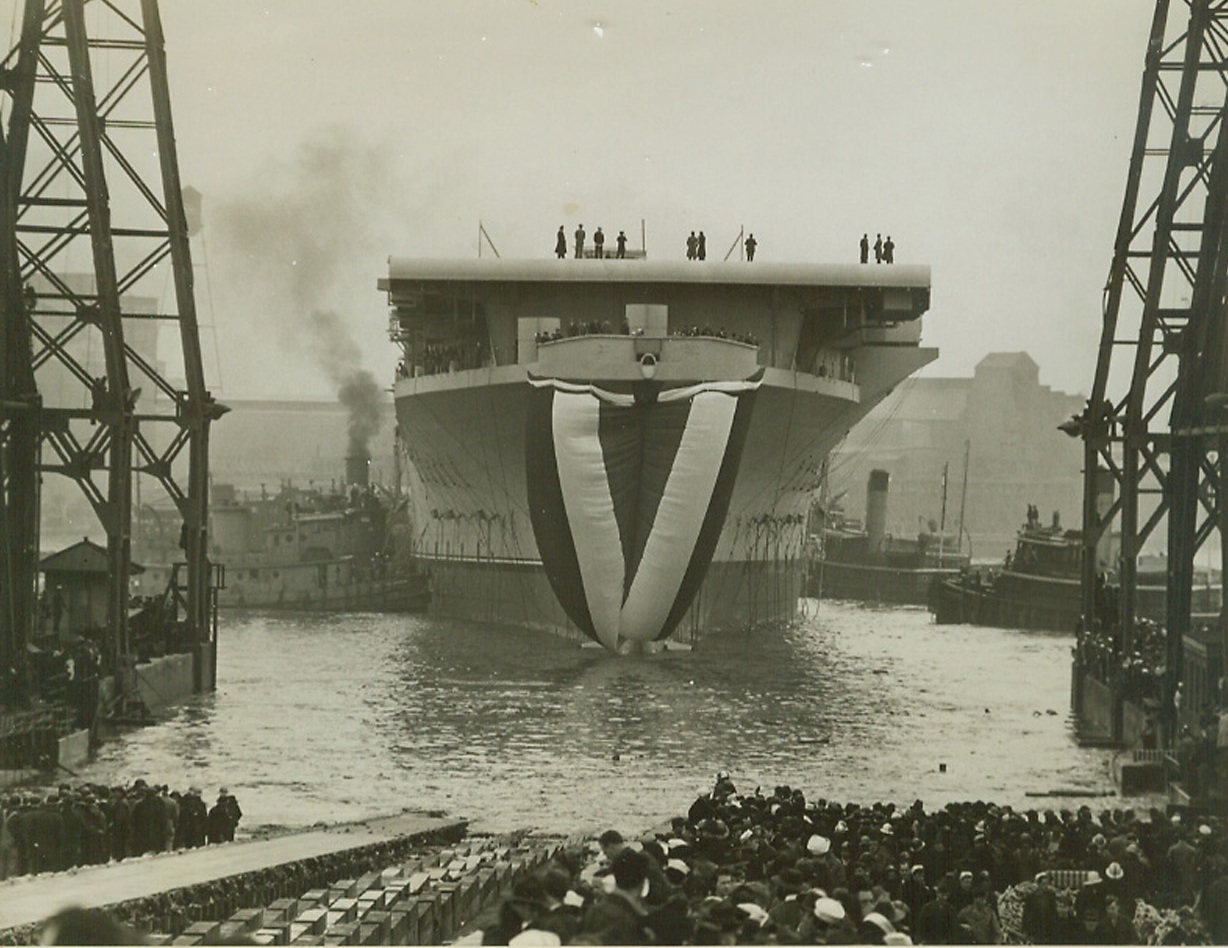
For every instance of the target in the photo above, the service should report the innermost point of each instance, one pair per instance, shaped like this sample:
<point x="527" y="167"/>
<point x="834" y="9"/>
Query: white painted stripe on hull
<point x="590" y="509"/>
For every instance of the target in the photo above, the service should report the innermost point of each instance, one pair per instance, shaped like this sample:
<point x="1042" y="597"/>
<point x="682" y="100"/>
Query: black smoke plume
<point x="309" y="237"/>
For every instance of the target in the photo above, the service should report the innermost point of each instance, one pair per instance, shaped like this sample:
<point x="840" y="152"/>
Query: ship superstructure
<point x="626" y="450"/>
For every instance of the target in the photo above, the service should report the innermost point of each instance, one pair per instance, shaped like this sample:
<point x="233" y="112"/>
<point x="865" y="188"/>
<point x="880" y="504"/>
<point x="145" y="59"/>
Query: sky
<point x="991" y="141"/>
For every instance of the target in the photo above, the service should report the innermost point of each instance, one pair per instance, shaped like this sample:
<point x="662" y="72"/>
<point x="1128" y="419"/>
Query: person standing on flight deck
<point x="878" y="249"/>
<point x="701" y="246"/>
<point x="622" y="245"/>
<point x="865" y="247"/>
<point x="598" y="244"/>
<point x="691" y="243"/>
<point x="560" y="244"/>
<point x="889" y="250"/>
<point x="751" y="244"/>
<point x="579" y="241"/>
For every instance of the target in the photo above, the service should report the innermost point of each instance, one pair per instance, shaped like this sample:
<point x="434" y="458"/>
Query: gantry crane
<point x="92" y="227"/>
<point x="1155" y="429"/>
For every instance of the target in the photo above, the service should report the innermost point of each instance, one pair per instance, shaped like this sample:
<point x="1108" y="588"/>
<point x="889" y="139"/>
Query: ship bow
<point x="628" y="491"/>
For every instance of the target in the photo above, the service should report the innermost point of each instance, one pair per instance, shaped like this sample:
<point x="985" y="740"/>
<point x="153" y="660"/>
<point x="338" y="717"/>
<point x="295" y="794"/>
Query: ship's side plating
<point x="831" y="341"/>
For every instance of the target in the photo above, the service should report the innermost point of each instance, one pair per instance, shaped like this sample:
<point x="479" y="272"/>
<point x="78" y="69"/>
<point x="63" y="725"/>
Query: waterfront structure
<point x="1001" y="421"/>
<point x="627" y="450"/>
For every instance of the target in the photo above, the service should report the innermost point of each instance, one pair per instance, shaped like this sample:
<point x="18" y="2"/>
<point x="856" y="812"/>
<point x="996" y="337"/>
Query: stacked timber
<point x="426" y="900"/>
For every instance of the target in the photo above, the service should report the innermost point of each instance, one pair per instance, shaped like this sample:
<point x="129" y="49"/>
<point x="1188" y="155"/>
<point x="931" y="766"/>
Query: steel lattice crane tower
<point x="92" y="228"/>
<point x="1155" y="428"/>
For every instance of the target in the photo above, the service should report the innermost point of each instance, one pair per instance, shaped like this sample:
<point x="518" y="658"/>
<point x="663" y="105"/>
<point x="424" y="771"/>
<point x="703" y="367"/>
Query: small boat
<point x="868" y="564"/>
<point x="1039" y="585"/>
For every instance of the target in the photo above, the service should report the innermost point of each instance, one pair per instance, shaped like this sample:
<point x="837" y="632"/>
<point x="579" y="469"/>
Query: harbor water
<point x="341" y="717"/>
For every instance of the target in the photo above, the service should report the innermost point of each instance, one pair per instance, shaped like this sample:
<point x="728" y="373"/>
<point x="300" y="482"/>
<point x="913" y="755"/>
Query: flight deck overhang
<point x="674" y="272"/>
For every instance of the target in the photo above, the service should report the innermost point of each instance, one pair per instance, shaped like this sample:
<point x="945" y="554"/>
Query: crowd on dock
<point x="94" y="824"/>
<point x="777" y="868"/>
<point x="1137" y="672"/>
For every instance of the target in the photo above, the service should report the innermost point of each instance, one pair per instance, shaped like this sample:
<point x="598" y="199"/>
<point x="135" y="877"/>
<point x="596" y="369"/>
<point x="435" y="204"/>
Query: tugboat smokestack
<point x="876" y="510"/>
<point x="358" y="470"/>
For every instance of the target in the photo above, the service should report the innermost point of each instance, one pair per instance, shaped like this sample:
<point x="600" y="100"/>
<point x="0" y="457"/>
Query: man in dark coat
<point x="44" y="833"/>
<point x="617" y="918"/>
<point x="223" y="818"/>
<point x="938" y="922"/>
<point x="148" y="822"/>
<point x="193" y="819"/>
<point x="560" y="244"/>
<point x="865" y="248"/>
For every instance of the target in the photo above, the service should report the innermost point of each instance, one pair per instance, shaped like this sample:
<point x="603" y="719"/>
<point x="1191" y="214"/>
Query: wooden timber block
<point x="428" y="918"/>
<point x="347" y="908"/>
<point x="382" y="921"/>
<point x="369" y="900"/>
<point x="417" y="882"/>
<point x="399" y="928"/>
<point x="228" y="931"/>
<point x="370" y="934"/>
<point x="271" y="936"/>
<point x="250" y="918"/>
<point x="152" y="939"/>
<point x="344" y="934"/>
<point x="366" y="881"/>
<point x="281" y="910"/>
<point x="315" y="919"/>
<point x="308" y="940"/>
<point x="186" y="939"/>
<point x="315" y="896"/>
<point x="488" y="886"/>
<point x="393" y="895"/>
<point x="446" y="900"/>
<point x="205" y="931"/>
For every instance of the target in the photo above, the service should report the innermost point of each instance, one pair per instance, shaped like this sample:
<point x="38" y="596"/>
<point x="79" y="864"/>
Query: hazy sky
<point x="990" y="140"/>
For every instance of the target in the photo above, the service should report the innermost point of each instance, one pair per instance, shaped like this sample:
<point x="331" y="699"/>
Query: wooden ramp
<point x="27" y="900"/>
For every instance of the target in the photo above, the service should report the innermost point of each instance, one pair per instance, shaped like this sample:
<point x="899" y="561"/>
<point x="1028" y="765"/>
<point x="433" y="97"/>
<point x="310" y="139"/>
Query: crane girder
<point x="1152" y="428"/>
<point x="89" y="170"/>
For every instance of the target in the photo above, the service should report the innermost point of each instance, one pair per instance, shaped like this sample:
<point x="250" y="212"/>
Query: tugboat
<point x="1038" y="586"/>
<point x="870" y="565"/>
<point x="341" y="549"/>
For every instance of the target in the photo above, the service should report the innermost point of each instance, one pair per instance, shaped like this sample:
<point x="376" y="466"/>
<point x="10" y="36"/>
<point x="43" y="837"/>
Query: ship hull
<point x="465" y="440"/>
<point x="874" y="584"/>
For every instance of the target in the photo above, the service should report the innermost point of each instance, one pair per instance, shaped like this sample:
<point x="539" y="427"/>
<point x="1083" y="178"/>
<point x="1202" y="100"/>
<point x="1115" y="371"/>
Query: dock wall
<point x="160" y="682"/>
<point x="1100" y="710"/>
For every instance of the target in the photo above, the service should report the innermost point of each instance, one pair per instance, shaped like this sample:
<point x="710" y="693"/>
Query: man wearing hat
<point x="914" y="891"/>
<point x="193" y="819"/>
<point x="616" y="918"/>
<point x="828" y="925"/>
<point x="938" y="922"/>
<point x="788" y="886"/>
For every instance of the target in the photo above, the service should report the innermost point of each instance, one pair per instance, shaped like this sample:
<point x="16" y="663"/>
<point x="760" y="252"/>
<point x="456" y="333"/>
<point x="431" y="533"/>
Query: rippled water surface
<point x="343" y="717"/>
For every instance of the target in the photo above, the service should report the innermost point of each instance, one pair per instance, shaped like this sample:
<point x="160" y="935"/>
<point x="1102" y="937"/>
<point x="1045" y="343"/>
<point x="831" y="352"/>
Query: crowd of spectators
<point x="93" y="824"/>
<point x="1139" y="673"/>
<point x="776" y="868"/>
<point x="456" y="357"/>
<point x="595" y="327"/>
